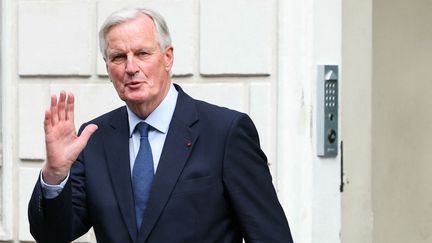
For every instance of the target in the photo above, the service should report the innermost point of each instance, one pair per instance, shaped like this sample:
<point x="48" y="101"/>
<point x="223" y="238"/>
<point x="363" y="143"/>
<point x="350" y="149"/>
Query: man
<point x="165" y="168"/>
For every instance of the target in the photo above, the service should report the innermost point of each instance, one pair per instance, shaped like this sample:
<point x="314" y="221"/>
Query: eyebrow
<point x="115" y="52"/>
<point x="146" y="49"/>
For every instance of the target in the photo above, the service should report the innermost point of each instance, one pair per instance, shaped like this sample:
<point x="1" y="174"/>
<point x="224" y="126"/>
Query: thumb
<point x="80" y="142"/>
<point x="86" y="134"/>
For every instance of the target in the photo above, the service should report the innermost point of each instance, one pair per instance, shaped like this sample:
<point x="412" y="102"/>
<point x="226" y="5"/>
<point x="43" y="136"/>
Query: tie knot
<point x="143" y="129"/>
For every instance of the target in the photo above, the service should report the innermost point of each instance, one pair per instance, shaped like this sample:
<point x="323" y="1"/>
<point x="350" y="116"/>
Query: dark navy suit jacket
<point x="212" y="184"/>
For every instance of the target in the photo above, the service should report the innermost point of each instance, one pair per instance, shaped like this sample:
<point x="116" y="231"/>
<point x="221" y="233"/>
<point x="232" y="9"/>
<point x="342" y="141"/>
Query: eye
<point x="143" y="54"/>
<point x="117" y="57"/>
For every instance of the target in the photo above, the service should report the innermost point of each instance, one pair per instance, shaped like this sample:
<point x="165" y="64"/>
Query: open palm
<point x="62" y="143"/>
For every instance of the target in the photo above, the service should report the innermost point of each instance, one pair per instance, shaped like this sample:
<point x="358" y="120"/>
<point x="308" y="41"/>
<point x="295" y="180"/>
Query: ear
<point x="169" y="58"/>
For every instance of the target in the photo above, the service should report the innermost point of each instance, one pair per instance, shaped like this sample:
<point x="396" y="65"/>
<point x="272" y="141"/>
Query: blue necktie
<point x="143" y="172"/>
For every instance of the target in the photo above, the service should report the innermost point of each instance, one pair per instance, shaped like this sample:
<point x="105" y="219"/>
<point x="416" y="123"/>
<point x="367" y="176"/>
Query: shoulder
<point x="111" y="118"/>
<point x="222" y="118"/>
<point x="214" y="111"/>
<point x="188" y="104"/>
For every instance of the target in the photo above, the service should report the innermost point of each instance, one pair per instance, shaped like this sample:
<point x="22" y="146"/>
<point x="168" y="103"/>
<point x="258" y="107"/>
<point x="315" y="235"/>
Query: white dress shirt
<point x="159" y="120"/>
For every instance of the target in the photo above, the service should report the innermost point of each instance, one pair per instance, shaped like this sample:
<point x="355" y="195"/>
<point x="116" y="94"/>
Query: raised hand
<point x="62" y="143"/>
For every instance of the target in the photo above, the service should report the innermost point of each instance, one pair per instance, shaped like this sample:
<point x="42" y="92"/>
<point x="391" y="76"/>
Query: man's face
<point x="139" y="70"/>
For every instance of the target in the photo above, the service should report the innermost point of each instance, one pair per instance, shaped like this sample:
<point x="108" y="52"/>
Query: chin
<point x="134" y="99"/>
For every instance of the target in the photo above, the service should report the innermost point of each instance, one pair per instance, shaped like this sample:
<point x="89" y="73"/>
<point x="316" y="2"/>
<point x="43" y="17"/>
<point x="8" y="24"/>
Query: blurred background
<point x="261" y="57"/>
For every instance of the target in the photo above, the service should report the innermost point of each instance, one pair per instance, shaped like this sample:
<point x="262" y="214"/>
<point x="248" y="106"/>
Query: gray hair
<point x="125" y="14"/>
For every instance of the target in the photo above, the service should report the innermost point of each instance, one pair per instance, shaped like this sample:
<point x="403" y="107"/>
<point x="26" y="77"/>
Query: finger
<point x="53" y="109"/>
<point x="62" y="106"/>
<point x="47" y="121"/>
<point x="70" y="107"/>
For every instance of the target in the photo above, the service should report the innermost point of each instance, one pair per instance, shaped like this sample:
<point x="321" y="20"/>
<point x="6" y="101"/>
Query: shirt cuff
<point x="52" y="191"/>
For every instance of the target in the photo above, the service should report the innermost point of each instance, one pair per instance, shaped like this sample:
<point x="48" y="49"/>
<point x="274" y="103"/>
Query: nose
<point x="131" y="66"/>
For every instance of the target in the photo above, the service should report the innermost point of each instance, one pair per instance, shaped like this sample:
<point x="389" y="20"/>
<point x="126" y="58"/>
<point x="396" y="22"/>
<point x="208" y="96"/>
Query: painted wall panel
<point x="55" y="38"/>
<point x="236" y="37"/>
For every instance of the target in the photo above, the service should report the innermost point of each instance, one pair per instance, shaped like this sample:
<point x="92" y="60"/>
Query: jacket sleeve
<point x="63" y="218"/>
<point x="249" y="185"/>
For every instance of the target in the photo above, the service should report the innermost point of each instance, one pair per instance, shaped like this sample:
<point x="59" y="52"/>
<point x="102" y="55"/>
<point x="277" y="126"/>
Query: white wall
<point x="309" y="34"/>
<point x="255" y="56"/>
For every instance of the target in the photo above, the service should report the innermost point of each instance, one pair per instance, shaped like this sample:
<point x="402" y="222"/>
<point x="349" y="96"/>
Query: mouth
<point x="133" y="83"/>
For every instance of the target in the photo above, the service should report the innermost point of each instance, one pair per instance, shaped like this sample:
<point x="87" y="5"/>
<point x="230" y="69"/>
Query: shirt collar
<point x="160" y="118"/>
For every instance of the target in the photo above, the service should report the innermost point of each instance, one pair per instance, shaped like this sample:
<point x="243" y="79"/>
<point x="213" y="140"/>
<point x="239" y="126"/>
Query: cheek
<point x="119" y="89"/>
<point x="115" y="72"/>
<point x="116" y="78"/>
<point x="151" y="69"/>
<point x="117" y="85"/>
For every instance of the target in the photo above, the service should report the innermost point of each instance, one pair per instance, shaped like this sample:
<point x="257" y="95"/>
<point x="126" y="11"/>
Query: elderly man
<point x="165" y="168"/>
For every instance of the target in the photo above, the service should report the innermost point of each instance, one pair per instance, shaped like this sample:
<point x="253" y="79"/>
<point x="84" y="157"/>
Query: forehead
<point x="141" y="27"/>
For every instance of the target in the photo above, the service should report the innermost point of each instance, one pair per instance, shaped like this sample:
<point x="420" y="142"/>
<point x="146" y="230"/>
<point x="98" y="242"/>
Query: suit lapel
<point x="116" y="143"/>
<point x="178" y="145"/>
